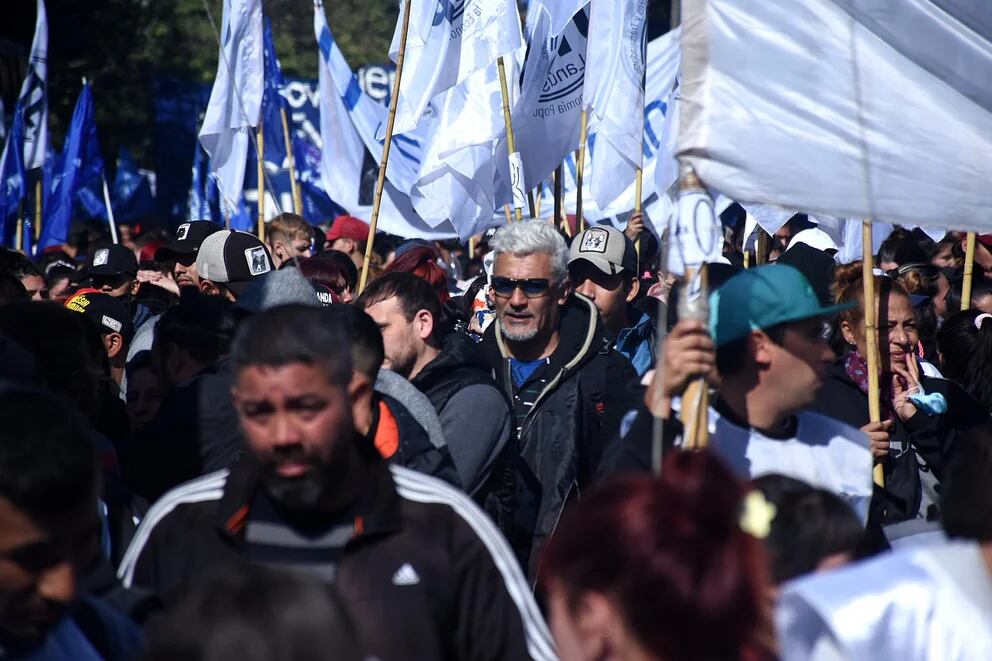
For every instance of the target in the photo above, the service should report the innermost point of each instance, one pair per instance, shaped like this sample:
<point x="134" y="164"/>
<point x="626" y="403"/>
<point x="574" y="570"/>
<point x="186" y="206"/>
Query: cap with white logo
<point x="606" y="248"/>
<point x="233" y="259"/>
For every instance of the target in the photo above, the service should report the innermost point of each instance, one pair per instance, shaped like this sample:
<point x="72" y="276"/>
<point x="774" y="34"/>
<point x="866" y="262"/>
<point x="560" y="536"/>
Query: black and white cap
<point x="234" y="259"/>
<point x="189" y="236"/>
<point x="606" y="248"/>
<point x="113" y="260"/>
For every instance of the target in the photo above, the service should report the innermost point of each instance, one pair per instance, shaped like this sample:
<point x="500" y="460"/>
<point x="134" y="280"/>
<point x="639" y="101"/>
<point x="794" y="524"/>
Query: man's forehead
<point x="532" y="265"/>
<point x="291" y="378"/>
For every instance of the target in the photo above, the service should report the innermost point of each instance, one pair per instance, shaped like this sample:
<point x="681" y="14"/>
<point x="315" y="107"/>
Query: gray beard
<point x="513" y="336"/>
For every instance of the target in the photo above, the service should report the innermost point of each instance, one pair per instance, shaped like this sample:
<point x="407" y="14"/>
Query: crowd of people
<point x="215" y="447"/>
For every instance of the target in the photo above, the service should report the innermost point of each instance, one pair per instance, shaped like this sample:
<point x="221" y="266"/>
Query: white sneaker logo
<point x="406" y="575"/>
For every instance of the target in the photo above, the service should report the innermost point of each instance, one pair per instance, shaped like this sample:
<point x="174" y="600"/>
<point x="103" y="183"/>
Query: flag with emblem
<point x="34" y="95"/>
<point x="11" y="173"/>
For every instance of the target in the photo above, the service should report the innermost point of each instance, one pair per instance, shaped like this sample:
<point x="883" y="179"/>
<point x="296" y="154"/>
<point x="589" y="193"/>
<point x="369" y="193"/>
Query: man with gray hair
<point x="569" y="389"/>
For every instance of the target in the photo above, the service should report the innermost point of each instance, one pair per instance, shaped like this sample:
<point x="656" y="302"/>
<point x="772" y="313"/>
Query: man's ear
<point x="635" y="287"/>
<point x="209" y="288"/>
<point x="424" y="324"/>
<point x="135" y="286"/>
<point x="759" y="344"/>
<point x="114" y="344"/>
<point x="360" y="393"/>
<point x="566" y="291"/>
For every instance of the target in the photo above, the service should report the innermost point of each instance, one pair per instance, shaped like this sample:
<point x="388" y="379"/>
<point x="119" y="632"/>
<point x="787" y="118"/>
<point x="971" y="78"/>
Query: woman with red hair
<point x="421" y="261"/>
<point x="660" y="568"/>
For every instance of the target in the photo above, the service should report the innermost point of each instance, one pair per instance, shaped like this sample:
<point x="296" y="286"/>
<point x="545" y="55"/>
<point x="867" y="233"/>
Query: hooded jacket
<point x="587" y="388"/>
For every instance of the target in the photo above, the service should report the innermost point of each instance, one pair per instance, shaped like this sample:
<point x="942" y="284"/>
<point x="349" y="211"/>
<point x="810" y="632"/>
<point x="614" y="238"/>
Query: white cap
<point x="814" y="237"/>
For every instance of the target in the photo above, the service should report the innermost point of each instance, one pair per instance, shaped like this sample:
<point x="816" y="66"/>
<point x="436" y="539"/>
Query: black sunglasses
<point x="531" y="287"/>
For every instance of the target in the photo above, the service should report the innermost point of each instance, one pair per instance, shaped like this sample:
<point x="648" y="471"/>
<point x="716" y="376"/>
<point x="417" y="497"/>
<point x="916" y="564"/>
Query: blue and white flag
<point x="12" y="183"/>
<point x="203" y="202"/>
<point x="34" y="95"/>
<point x="349" y="122"/>
<point x="448" y="41"/>
<point x="560" y="12"/>
<point x="236" y="99"/>
<point x="81" y="161"/>
<point x="614" y="91"/>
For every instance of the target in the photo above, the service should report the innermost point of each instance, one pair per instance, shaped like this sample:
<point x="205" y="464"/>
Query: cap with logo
<point x="233" y="259"/>
<point x="114" y="260"/>
<point x="761" y="298"/>
<point x="189" y="236"/>
<point x="105" y="311"/>
<point x="348" y="227"/>
<point x="606" y="248"/>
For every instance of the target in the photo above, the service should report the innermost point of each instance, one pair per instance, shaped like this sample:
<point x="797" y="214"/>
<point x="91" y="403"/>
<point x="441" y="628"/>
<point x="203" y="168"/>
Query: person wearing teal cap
<point x="765" y="346"/>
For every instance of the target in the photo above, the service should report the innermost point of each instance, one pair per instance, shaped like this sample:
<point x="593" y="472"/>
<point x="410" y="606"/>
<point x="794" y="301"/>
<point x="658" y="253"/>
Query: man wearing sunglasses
<point x="114" y="270"/>
<point x="568" y="387"/>
<point x="182" y="249"/>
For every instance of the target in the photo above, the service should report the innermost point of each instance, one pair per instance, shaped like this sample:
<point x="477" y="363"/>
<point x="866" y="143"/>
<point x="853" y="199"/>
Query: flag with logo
<point x="81" y="162"/>
<point x="614" y="91"/>
<point x="235" y="102"/>
<point x="448" y="41"/>
<point x="349" y="121"/>
<point x="560" y="12"/>
<point x="866" y="109"/>
<point x="33" y="98"/>
<point x="12" y="182"/>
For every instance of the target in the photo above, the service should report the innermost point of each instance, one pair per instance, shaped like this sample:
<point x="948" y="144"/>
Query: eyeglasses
<point x="531" y="287"/>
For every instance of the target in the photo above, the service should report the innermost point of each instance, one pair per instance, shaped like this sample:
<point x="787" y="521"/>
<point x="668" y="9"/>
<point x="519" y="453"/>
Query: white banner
<point x="33" y="98"/>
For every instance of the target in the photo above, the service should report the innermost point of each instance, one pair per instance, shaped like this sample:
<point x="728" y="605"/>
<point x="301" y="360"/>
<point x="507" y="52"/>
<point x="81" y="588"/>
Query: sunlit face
<point x="298" y="425"/>
<point x="944" y="257"/>
<point x="898" y="335"/>
<point x="39" y="567"/>
<point x="400" y="336"/>
<point x="523" y="319"/>
<point x="798" y="365"/>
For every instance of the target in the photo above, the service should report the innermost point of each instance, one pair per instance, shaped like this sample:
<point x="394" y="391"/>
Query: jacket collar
<point x="378" y="510"/>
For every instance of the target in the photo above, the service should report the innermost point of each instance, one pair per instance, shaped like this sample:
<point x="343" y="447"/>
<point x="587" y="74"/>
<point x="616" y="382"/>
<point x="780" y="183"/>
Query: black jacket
<point x="414" y="449"/>
<point x="460" y="364"/>
<point x="932" y="439"/>
<point x="562" y="438"/>
<point x="469" y="601"/>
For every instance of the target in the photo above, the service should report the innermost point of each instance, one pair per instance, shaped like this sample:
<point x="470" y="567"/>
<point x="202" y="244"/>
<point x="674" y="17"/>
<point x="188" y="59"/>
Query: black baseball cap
<point x="105" y="311"/>
<point x="189" y="236"/>
<point x="113" y="260"/>
<point x="233" y="259"/>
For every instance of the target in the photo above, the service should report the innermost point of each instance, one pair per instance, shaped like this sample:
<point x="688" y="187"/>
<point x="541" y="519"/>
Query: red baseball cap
<point x="348" y="227"/>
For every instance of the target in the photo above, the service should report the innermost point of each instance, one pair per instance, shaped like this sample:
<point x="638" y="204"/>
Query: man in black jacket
<point x="450" y="370"/>
<point x="569" y="389"/>
<point x="421" y="570"/>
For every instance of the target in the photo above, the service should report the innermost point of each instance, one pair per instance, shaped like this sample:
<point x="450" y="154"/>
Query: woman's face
<point x="898" y="336"/>
<point x="944" y="257"/>
<point x="590" y="628"/>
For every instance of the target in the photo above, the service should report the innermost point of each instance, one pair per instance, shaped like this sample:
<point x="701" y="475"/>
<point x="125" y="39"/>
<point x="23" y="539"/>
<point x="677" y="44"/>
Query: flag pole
<point x="37" y="207"/>
<point x="294" y="185"/>
<point x="110" y="211"/>
<point x="516" y="171"/>
<point x="969" y="267"/>
<point x="871" y="336"/>
<point x="537" y="202"/>
<point x="381" y="181"/>
<point x="19" y="226"/>
<point x="761" y="248"/>
<point x="556" y="190"/>
<point x="260" y="152"/>
<point x="579" y="168"/>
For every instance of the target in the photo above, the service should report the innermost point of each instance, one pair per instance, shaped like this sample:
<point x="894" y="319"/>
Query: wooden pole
<point x="471" y="247"/>
<point x="508" y="212"/>
<point x="261" y="182"/>
<point x="871" y="337"/>
<point x="579" y="169"/>
<point x="556" y="190"/>
<point x="761" y="249"/>
<point x="511" y="143"/>
<point x="294" y="185"/>
<point x="969" y="267"/>
<point x="537" y="200"/>
<point x="638" y="192"/>
<point x="37" y="207"/>
<point x="696" y="399"/>
<point x="19" y="227"/>
<point x="380" y="183"/>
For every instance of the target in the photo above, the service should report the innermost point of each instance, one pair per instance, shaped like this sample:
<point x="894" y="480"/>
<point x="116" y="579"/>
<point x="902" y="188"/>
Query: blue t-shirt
<point x="521" y="370"/>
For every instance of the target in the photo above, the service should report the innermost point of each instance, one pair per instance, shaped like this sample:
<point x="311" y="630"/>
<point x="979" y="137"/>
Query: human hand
<point x="688" y="354"/>
<point x="878" y="437"/>
<point x="905" y="382"/>
<point x="635" y="225"/>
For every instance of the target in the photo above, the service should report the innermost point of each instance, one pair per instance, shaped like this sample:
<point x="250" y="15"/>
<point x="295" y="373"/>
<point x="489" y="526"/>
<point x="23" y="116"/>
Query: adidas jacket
<point x="425" y="576"/>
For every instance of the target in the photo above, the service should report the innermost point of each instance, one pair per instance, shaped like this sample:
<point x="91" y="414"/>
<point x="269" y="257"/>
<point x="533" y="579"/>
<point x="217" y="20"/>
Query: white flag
<point x="236" y="99"/>
<point x="560" y="12"/>
<point x="448" y="41"/>
<point x="350" y="153"/>
<point x="546" y="118"/>
<point x="614" y="94"/>
<point x="34" y="95"/>
<point x="869" y="109"/>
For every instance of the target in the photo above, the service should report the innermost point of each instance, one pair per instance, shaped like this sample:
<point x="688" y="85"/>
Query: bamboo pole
<point x="871" y="337"/>
<point x="761" y="248"/>
<point x="511" y="143"/>
<point x="294" y="185"/>
<point x="19" y="226"/>
<point x="580" y="168"/>
<point x="261" y="182"/>
<point x="537" y="201"/>
<point x="694" y="413"/>
<point x="471" y="247"/>
<point x="37" y="207"/>
<point x="380" y="183"/>
<point x="969" y="267"/>
<point x="638" y="192"/>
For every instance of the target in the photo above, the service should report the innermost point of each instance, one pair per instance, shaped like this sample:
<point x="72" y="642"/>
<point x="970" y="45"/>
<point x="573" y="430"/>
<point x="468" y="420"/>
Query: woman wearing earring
<point x="922" y="417"/>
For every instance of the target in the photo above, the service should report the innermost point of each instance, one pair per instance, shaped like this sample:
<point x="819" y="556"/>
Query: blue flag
<point x="132" y="192"/>
<point x="81" y="161"/>
<point x="12" y="171"/>
<point x="199" y="206"/>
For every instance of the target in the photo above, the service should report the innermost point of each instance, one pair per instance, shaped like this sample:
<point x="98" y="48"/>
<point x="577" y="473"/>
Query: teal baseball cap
<point x="761" y="298"/>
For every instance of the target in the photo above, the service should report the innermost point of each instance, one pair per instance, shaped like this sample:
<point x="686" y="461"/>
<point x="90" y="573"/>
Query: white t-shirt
<point x="823" y="452"/>
<point x="918" y="604"/>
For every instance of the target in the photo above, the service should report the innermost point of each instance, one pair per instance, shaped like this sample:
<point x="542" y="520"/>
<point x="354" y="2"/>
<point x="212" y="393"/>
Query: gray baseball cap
<point x="606" y="248"/>
<point x="232" y="258"/>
